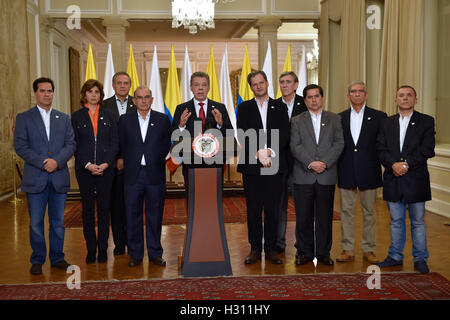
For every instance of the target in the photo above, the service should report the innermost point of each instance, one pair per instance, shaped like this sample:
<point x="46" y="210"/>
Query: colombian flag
<point x="245" y="93"/>
<point x="172" y="98"/>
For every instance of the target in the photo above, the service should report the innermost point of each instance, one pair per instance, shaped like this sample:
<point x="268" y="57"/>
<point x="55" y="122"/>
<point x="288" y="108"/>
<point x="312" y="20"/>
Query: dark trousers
<point x="118" y="217"/>
<point x="262" y="193"/>
<point x="282" y="218"/>
<point x="94" y="188"/>
<point x="153" y="196"/>
<point x="314" y="205"/>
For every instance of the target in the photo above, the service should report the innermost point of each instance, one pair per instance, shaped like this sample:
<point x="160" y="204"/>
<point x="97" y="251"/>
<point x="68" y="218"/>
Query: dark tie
<point x="201" y="114"/>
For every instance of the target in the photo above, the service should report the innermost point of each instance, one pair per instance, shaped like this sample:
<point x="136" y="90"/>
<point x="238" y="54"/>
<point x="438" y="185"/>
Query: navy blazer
<point x="102" y="150"/>
<point x="298" y="108"/>
<point x="358" y="164"/>
<point x="155" y="147"/>
<point x="33" y="146"/>
<point x="248" y="117"/>
<point x="418" y="147"/>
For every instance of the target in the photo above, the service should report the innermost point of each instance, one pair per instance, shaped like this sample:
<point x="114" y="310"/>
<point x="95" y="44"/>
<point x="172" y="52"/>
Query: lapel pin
<point x="369" y="118"/>
<point x="323" y="124"/>
<point x="298" y="103"/>
<point x="101" y="118"/>
<point x="272" y="107"/>
<point x="57" y="117"/>
<point x="413" y="123"/>
<point x="152" y="124"/>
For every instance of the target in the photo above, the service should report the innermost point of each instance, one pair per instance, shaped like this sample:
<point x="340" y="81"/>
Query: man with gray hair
<point x="359" y="168"/>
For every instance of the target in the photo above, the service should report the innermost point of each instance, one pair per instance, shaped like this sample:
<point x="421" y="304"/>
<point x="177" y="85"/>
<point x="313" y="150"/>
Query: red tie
<point x="201" y="114"/>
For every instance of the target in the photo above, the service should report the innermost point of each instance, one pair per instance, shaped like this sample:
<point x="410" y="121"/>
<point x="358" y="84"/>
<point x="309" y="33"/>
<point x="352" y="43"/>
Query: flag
<point x="109" y="73"/>
<point x="302" y="73"/>
<point x="172" y="98"/>
<point x="214" y="89"/>
<point x="132" y="71"/>
<point x="244" y="93"/>
<point x="267" y="68"/>
<point x="287" y="67"/>
<point x="185" y="88"/>
<point x="90" y="66"/>
<point x="155" y="85"/>
<point x="225" y="89"/>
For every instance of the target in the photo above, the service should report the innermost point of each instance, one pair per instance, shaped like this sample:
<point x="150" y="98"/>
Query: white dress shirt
<point x="316" y="122"/>
<point x="290" y="106"/>
<point x="263" y="112"/>
<point x="143" y="124"/>
<point x="122" y="107"/>
<point x="46" y="118"/>
<point x="356" y="120"/>
<point x="403" y="122"/>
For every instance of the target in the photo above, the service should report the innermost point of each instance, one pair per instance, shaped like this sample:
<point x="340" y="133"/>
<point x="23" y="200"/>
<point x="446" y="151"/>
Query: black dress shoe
<point x="119" y="251"/>
<point x="36" y="269"/>
<point x="90" y="258"/>
<point x="274" y="257"/>
<point x="301" y="259"/>
<point x="134" y="262"/>
<point x="63" y="265"/>
<point x="158" y="261"/>
<point x="253" y="257"/>
<point x="102" y="256"/>
<point x="326" y="261"/>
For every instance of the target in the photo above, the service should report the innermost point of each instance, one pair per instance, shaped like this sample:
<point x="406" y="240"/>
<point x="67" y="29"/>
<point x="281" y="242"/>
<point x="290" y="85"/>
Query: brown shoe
<point x="253" y="257"/>
<point x="370" y="258"/>
<point x="274" y="257"/>
<point x="346" y="256"/>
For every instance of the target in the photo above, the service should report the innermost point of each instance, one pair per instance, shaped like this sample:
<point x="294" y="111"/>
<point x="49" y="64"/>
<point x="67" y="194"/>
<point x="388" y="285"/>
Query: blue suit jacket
<point x="155" y="147"/>
<point x="32" y="145"/>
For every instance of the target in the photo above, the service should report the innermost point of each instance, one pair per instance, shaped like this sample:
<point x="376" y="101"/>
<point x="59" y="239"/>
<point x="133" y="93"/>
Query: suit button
<point x="356" y="150"/>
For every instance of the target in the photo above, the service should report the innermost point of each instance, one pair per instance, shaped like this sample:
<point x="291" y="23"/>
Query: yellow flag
<point x="172" y="98"/>
<point x="90" y="66"/>
<point x="287" y="67"/>
<point x="214" y="90"/>
<point x="245" y="93"/>
<point x="132" y="71"/>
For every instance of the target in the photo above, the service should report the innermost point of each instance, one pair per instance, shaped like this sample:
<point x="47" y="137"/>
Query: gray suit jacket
<point x="32" y="145"/>
<point x="305" y="149"/>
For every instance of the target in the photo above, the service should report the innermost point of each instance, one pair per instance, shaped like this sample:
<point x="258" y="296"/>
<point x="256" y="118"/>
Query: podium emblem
<point x="205" y="145"/>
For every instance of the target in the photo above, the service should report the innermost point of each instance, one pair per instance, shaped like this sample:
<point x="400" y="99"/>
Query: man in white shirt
<point x="405" y="143"/>
<point x="144" y="142"/>
<point x="316" y="143"/>
<point x="44" y="139"/>
<point x="359" y="169"/>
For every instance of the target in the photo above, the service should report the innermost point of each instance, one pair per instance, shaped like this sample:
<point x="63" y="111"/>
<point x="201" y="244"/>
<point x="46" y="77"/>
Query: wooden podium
<point x="205" y="253"/>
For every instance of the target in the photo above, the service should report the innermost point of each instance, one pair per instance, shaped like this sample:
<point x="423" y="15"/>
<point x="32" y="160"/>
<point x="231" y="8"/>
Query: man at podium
<point x="200" y="109"/>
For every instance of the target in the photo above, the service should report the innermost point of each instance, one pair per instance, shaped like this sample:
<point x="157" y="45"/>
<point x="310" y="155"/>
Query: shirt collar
<point x="360" y="111"/>
<point x="405" y="118"/>
<point x="146" y="118"/>
<point x="315" y="115"/>
<point x="205" y="102"/>
<point x="126" y="99"/>
<point x="43" y="111"/>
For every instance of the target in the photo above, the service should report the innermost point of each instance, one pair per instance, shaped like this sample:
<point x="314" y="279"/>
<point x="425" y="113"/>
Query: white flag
<point x="155" y="85"/>
<point x="109" y="73"/>
<point x="267" y="68"/>
<point x="225" y="89"/>
<point x="302" y="74"/>
<point x="185" y="90"/>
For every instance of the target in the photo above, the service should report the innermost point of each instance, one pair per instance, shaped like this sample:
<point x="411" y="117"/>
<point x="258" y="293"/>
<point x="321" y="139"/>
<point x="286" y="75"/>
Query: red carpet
<point x="234" y="210"/>
<point x="394" y="286"/>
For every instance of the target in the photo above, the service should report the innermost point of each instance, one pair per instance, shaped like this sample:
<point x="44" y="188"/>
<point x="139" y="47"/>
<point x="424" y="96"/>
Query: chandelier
<point x="193" y="14"/>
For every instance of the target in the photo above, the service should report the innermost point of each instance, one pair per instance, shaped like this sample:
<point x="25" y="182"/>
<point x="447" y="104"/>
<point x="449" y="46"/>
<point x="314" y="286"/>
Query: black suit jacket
<point x="110" y="104"/>
<point x="154" y="148"/>
<point x="210" y="123"/>
<point x="105" y="149"/>
<point x="248" y="117"/>
<point x="418" y="147"/>
<point x="298" y="108"/>
<point x="359" y="165"/>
